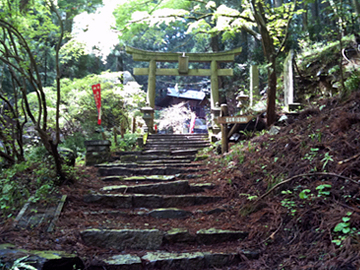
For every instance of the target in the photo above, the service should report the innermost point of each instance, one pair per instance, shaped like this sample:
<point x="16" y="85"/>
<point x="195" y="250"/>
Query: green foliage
<point x="353" y="81"/>
<point x="127" y="143"/>
<point x="323" y="190"/>
<point x="311" y="155"/>
<point x="22" y="263"/>
<point x="78" y="114"/>
<point x="327" y="158"/>
<point x="289" y="203"/>
<point x="13" y="193"/>
<point x="303" y="194"/>
<point x="343" y="230"/>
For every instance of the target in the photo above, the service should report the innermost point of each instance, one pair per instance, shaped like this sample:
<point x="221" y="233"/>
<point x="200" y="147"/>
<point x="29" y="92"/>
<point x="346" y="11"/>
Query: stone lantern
<point x="215" y="113"/>
<point x="243" y="99"/>
<point x="148" y="118"/>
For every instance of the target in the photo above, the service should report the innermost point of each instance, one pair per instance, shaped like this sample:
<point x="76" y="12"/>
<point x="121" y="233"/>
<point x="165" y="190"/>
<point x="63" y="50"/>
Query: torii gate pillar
<point x="183" y="59"/>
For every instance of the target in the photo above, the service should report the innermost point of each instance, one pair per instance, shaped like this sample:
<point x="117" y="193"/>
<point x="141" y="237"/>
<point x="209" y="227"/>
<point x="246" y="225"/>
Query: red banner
<point x="192" y="123"/>
<point x="97" y="95"/>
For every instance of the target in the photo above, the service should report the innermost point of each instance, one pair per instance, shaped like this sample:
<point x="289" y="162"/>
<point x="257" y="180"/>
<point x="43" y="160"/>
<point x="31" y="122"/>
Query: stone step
<point x="149" y="200"/>
<point x="184" y="152"/>
<point x="153" y="239"/>
<point x="149" y="178"/>
<point x="168" y="188"/>
<point x="163" y="260"/>
<point x="164" y="161"/>
<point x="12" y="255"/>
<point x="176" y="142"/>
<point x="192" y="151"/>
<point x="137" y="158"/>
<point x="175" y="146"/>
<point x="158" y="213"/>
<point x="141" y="178"/>
<point x="150" y="170"/>
<point x="178" y="136"/>
<point x="153" y="163"/>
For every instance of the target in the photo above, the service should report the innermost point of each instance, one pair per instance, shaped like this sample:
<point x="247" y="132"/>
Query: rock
<point x="123" y="239"/>
<point x="111" y="200"/>
<point x="214" y="260"/>
<point x="169" y="213"/>
<point x="214" y="236"/>
<point x="171" y="188"/>
<point x="123" y="262"/>
<point x="274" y="130"/>
<point x="195" y="188"/>
<point x="166" y="260"/>
<point x="178" y="235"/>
<point x="215" y="211"/>
<point x="149" y="201"/>
<point x="41" y="260"/>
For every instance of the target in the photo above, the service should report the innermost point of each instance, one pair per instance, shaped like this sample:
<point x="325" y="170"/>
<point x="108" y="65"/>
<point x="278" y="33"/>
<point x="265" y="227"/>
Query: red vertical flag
<point x="97" y="95"/>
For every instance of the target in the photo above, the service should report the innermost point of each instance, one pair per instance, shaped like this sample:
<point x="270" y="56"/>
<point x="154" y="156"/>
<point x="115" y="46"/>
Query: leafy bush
<point x="128" y="143"/>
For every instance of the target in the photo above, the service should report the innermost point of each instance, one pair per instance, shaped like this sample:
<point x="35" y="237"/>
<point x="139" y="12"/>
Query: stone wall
<point x="97" y="151"/>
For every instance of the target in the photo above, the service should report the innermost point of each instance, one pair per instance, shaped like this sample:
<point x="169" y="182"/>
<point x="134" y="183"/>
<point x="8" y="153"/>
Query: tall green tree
<point x="21" y="34"/>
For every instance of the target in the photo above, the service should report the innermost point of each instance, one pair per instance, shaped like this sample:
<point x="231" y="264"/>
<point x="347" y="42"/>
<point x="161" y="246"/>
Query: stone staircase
<point x="149" y="189"/>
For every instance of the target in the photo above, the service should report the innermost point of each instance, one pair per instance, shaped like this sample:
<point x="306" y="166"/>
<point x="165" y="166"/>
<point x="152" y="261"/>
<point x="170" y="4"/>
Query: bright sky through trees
<point x="95" y="29"/>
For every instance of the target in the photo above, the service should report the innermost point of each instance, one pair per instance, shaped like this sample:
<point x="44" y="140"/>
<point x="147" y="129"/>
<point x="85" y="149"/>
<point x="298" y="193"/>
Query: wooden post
<point x="115" y="136"/>
<point x="151" y="91"/>
<point x="133" y="125"/>
<point x="224" y="130"/>
<point x="254" y="82"/>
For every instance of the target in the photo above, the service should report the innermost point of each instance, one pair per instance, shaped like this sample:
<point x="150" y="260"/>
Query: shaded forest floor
<point x="297" y="193"/>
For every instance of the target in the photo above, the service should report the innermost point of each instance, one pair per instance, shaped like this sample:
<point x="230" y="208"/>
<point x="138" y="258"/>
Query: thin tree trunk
<point x="271" y="99"/>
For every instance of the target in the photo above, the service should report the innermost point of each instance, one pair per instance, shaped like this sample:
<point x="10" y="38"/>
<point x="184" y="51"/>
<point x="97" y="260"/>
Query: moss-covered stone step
<point x="48" y="259"/>
<point x="151" y="239"/>
<point x="123" y="239"/>
<point x="178" y="136"/>
<point x="170" y="188"/>
<point x="158" y="170"/>
<point x="152" y="163"/>
<point x="180" y="261"/>
<point x="176" y="147"/>
<point x="149" y="201"/>
<point x="170" y="152"/>
<point x="184" y="152"/>
<point x="138" y="158"/>
<point x="179" y="143"/>
<point x="150" y="178"/>
<point x="164" y="161"/>
<point x="141" y="178"/>
<point x="158" y="213"/>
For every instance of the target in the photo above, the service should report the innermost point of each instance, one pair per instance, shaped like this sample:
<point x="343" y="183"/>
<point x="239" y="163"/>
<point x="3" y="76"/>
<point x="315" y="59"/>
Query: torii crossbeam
<point x="183" y="70"/>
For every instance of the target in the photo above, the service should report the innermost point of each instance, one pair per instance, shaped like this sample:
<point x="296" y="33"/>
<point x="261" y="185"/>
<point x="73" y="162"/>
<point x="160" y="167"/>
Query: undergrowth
<point x="34" y="179"/>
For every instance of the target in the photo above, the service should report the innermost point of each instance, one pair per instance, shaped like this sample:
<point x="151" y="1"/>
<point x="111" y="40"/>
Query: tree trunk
<point x="356" y="6"/>
<point x="271" y="99"/>
<point x="305" y="17"/>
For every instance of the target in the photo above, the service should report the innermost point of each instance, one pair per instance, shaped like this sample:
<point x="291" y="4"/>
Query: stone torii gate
<point x="183" y="70"/>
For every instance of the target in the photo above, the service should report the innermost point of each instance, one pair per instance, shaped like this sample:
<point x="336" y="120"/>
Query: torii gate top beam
<point x="146" y="56"/>
<point x="183" y="70"/>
